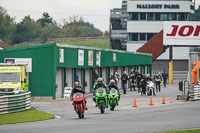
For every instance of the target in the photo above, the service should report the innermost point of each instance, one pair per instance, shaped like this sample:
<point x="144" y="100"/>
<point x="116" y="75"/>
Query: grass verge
<point x="25" y="116"/>
<point x="91" y="43"/>
<point x="184" y="131"/>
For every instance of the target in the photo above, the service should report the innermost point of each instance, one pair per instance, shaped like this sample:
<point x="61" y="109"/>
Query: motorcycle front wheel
<point x="112" y="107"/>
<point x="102" y="107"/>
<point x="79" y="112"/>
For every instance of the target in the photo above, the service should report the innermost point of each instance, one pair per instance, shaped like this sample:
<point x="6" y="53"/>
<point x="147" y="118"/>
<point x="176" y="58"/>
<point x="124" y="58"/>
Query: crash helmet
<point x="147" y="75"/>
<point x="76" y="84"/>
<point x="112" y="82"/>
<point x="99" y="80"/>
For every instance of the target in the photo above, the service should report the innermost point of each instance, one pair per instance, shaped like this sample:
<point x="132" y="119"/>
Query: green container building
<point x="55" y="66"/>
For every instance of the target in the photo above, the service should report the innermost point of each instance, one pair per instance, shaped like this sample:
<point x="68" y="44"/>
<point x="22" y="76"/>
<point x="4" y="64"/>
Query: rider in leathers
<point x="113" y="85"/>
<point x="78" y="88"/>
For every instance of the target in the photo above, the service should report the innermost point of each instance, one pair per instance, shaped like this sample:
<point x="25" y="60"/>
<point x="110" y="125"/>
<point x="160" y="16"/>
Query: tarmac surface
<point x="144" y="118"/>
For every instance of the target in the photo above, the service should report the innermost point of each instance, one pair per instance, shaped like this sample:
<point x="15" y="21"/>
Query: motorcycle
<point x="150" y="88"/>
<point x="79" y="104"/>
<point x="113" y="98"/>
<point x="101" y="99"/>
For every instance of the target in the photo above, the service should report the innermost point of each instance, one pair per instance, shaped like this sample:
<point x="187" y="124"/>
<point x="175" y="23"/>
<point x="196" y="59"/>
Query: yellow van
<point x="13" y="78"/>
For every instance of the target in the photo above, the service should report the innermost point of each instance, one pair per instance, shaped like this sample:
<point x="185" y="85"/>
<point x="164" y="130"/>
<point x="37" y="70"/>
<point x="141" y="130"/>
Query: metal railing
<point x="15" y="103"/>
<point x="194" y="93"/>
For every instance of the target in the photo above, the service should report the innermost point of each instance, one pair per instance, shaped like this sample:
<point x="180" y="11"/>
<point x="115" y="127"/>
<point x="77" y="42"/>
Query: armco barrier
<point x="194" y="94"/>
<point x="15" y="103"/>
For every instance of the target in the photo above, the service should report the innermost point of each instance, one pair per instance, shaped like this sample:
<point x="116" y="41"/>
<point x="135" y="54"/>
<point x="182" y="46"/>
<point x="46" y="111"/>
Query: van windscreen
<point x="9" y="77"/>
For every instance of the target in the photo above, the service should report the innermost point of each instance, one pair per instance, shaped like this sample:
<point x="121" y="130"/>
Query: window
<point x="181" y="17"/>
<point x="142" y="37"/>
<point x="142" y="16"/>
<point x="165" y="17"/>
<point x="191" y="7"/>
<point x="135" y="16"/>
<point x="129" y="16"/>
<point x="135" y="36"/>
<point x="149" y="35"/>
<point x="150" y="16"/>
<point x="174" y="16"/>
<point x="157" y="16"/>
<point x="9" y="77"/>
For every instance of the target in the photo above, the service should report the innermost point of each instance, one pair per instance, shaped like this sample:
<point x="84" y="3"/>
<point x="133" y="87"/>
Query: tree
<point x="27" y="30"/>
<point x="76" y="27"/>
<point x="46" y="19"/>
<point x="7" y="26"/>
<point x="106" y="33"/>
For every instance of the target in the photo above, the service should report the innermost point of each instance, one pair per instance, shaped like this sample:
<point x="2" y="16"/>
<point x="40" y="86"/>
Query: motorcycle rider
<point x="78" y="88"/>
<point x="148" y="78"/>
<point x="132" y="77"/>
<point x="113" y="85"/>
<point x="98" y="84"/>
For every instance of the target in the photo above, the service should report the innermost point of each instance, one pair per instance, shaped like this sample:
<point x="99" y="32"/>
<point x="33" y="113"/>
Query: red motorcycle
<point x="79" y="104"/>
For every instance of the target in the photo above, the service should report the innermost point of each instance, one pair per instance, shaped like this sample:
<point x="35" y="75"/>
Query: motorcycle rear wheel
<point x="150" y="92"/>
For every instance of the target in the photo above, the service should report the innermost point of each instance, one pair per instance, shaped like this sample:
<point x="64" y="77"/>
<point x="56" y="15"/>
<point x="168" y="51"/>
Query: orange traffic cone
<point x="134" y="103"/>
<point x="151" y="101"/>
<point x="163" y="102"/>
<point x="170" y="99"/>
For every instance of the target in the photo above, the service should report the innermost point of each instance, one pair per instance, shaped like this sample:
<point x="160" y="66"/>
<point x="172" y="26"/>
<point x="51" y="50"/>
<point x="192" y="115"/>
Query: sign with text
<point x="61" y="55"/>
<point x="27" y="61"/>
<point x="114" y="57"/>
<point x="181" y="33"/>
<point x="158" y="6"/>
<point x="98" y="58"/>
<point x="81" y="57"/>
<point x="90" y="58"/>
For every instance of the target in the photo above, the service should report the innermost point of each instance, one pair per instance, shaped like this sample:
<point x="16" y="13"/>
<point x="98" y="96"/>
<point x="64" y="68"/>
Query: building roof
<point x="72" y="46"/>
<point x="100" y="49"/>
<point x="4" y="45"/>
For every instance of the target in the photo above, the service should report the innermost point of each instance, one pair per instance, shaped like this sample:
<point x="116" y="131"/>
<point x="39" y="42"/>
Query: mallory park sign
<point x="158" y="6"/>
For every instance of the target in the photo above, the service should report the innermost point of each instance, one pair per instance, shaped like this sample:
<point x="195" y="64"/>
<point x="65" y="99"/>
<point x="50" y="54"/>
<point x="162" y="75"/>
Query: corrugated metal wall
<point x="122" y="58"/>
<point x="41" y="77"/>
<point x="45" y="60"/>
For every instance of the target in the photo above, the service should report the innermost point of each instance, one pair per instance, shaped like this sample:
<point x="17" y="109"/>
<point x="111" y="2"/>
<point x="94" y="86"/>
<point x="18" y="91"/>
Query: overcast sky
<point x="96" y="12"/>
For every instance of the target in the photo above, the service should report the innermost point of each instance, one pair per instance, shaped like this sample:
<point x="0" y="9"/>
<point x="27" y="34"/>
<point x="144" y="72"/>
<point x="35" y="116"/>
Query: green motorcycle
<point x="113" y="98"/>
<point x="101" y="99"/>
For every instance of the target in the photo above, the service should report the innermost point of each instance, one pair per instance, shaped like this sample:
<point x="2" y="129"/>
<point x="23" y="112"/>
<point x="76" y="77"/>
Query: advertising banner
<point x="114" y="57"/>
<point x="98" y="58"/>
<point x="90" y="58"/>
<point x="61" y="59"/>
<point x="81" y="57"/>
<point x="178" y="33"/>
